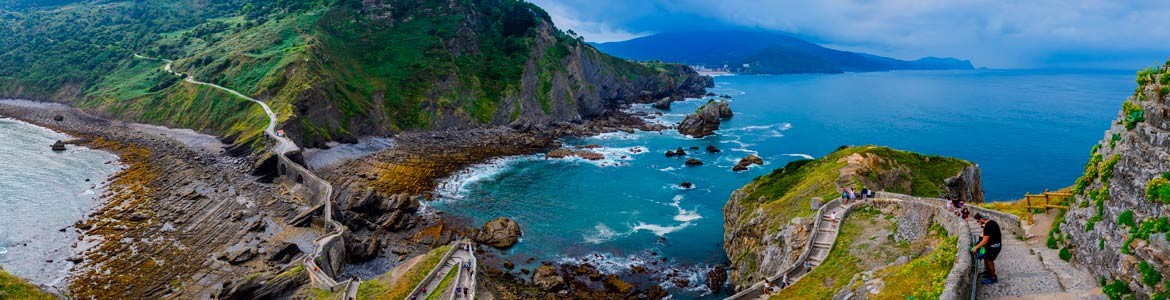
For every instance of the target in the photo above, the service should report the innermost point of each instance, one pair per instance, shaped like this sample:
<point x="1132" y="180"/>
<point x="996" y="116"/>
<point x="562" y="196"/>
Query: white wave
<point x="800" y="155"/>
<point x="614" y="157"/>
<point x="601" y="234"/>
<point x="667" y="169"/>
<point x="455" y="186"/>
<point x="685" y="216"/>
<point x="660" y="230"/>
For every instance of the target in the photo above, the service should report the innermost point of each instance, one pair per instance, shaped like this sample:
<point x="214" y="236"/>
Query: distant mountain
<point x="761" y="52"/>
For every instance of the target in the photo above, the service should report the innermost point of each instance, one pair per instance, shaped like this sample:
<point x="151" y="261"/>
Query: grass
<point x="825" y="280"/>
<point x="443" y="284"/>
<point x="12" y="287"/>
<point x="385" y="288"/>
<point x="923" y="277"/>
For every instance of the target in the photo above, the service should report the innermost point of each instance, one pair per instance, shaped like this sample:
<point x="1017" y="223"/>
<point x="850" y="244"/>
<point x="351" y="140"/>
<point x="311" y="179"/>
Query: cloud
<point x="594" y="31"/>
<point x="991" y="33"/>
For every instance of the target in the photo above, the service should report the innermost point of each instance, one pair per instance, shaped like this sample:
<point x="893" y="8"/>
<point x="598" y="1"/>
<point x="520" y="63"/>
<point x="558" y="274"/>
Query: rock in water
<point x="712" y="149"/>
<point x="745" y="162"/>
<point x="663" y="104"/>
<point x="686" y="185"/>
<point x="691" y="162"/>
<point x="716" y="278"/>
<point x="680" y="152"/>
<point x="58" y="146"/>
<point x="670" y="153"/>
<point x="546" y="278"/>
<point x="706" y="119"/>
<point x="500" y="233"/>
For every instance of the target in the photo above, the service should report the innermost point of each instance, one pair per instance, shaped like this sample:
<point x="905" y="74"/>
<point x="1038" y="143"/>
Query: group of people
<point x="958" y="207"/>
<point x="770" y="288"/>
<point x="848" y="194"/>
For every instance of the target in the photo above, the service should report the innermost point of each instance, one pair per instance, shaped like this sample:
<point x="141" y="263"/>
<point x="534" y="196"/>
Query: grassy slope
<point x="922" y="277"/>
<point x="786" y="190"/>
<point x="386" y="288"/>
<point x="12" y="287"/>
<point x="443" y="284"/>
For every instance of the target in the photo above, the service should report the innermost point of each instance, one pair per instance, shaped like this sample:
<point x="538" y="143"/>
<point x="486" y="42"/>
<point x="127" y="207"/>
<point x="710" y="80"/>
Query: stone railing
<point x="1006" y="221"/>
<point x="414" y="293"/>
<point x="959" y="279"/>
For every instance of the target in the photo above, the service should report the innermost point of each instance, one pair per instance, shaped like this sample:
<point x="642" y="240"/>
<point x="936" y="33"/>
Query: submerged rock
<point x="706" y="119"/>
<point x="692" y="162"/>
<point x="686" y="185"/>
<point x="712" y="149"/>
<point x="500" y="233"/>
<point x="58" y="146"/>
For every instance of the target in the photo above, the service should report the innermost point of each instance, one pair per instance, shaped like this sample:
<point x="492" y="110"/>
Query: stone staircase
<point x="1029" y="270"/>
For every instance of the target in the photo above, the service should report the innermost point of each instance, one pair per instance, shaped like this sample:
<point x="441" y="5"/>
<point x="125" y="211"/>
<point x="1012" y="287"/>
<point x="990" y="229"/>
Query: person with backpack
<point x="988" y="248"/>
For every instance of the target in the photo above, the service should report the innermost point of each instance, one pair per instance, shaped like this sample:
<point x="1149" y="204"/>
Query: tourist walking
<point x="988" y="248"/>
<point x="864" y="192"/>
<point x="845" y="195"/>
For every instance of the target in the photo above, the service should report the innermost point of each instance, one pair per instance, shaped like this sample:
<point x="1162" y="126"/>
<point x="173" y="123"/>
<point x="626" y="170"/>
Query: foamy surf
<point x="800" y="155"/>
<point x="456" y="186"/>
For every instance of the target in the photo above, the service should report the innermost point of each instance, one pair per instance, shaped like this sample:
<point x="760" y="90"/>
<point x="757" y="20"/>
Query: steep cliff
<point x="767" y="222"/>
<point x="1117" y="224"/>
<point x="333" y="70"/>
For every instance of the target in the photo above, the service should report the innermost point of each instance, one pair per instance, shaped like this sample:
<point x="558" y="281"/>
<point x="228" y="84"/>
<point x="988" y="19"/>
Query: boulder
<point x="58" y="146"/>
<point x="706" y="119"/>
<point x="712" y="149"/>
<point x="285" y="254"/>
<point x="547" y="279"/>
<point x="238" y="256"/>
<point x="680" y="152"/>
<point x="663" y="104"/>
<point x="614" y="284"/>
<point x="692" y="162"/>
<point x="509" y="265"/>
<point x="686" y="185"/>
<point x="500" y="233"/>
<point x="745" y="162"/>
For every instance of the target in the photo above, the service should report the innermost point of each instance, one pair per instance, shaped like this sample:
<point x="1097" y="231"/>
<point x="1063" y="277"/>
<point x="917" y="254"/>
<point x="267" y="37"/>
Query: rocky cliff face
<point x="768" y="221"/>
<point x="1117" y="222"/>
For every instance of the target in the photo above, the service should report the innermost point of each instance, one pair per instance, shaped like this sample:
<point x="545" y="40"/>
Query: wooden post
<point x="1028" y="207"/>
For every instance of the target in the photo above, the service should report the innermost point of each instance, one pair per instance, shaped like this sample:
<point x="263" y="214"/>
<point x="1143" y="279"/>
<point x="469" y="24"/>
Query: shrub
<point x="1126" y="218"/>
<point x="1133" y="114"/>
<point x="1116" y="289"/>
<point x="1144" y="76"/>
<point x="1065" y="254"/>
<point x="1158" y="189"/>
<point x="1150" y="276"/>
<point x="1164" y="79"/>
<point x="1106" y="170"/>
<point x="1101" y="244"/>
<point x="1113" y="140"/>
<point x="1163" y="91"/>
<point x="1051" y="241"/>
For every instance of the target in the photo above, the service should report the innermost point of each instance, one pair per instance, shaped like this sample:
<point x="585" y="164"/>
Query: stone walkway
<point x="1029" y="270"/>
<point x="461" y="257"/>
<point x="825" y="236"/>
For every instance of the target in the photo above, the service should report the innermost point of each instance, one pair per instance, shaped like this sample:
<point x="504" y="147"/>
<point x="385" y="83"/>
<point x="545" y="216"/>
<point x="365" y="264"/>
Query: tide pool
<point x="1028" y="130"/>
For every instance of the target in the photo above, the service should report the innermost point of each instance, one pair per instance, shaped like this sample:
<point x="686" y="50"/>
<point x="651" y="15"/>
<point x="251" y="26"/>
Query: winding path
<point x="317" y="277"/>
<point x="1029" y="270"/>
<point x="460" y="256"/>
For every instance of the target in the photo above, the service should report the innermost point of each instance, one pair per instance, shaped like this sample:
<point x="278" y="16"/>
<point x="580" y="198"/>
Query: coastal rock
<point x="380" y="211"/>
<point x="693" y="162"/>
<point x="967" y="185"/>
<point x="509" y="265"/>
<point x="614" y="284"/>
<point x="680" y="152"/>
<point x="500" y="233"/>
<point x="686" y="185"/>
<point x="586" y="154"/>
<point x="747" y="161"/>
<point x="547" y="279"/>
<point x="663" y="104"/>
<point x="58" y="146"/>
<point x="238" y="256"/>
<point x="285" y="254"/>
<point x="716" y="278"/>
<point x="706" y="119"/>
<point x="59" y="118"/>
<point x="712" y="149"/>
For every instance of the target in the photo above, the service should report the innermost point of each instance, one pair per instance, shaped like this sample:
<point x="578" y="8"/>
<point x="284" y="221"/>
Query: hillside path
<point x="1029" y="270"/>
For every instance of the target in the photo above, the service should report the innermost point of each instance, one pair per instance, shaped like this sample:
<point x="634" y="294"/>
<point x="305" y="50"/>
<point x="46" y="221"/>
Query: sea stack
<point x="706" y="119"/>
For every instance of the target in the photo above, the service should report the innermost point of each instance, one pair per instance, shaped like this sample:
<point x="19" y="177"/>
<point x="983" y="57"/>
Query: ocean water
<point x="1028" y="130"/>
<point x="41" y="192"/>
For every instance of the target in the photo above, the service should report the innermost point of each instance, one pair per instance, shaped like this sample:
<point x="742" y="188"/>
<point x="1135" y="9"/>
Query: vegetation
<point x="1150" y="276"/>
<point x="924" y="277"/>
<point x="387" y="288"/>
<point x="1116" y="289"/>
<point x="1133" y="114"/>
<point x="1158" y="188"/>
<point x="443" y="284"/>
<point x="1126" y="218"/>
<point x="12" y="287"/>
<point x="1065" y="254"/>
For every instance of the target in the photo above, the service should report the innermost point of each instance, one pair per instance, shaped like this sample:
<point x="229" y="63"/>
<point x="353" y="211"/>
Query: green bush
<point x="1052" y="241"/>
<point x="1150" y="276"/>
<point x="1144" y="76"/>
<point x="1158" y="189"/>
<point x="1163" y="91"/>
<point x="1065" y="254"/>
<point x="1133" y="114"/>
<point x="1113" y="140"/>
<point x="1126" y="218"/>
<point x="1101" y="244"/>
<point x="1164" y="79"/>
<point x="1106" y="170"/>
<point x="1116" y="289"/>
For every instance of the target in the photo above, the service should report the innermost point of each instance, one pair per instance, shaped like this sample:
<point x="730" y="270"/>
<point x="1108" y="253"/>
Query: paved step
<point x="1025" y="273"/>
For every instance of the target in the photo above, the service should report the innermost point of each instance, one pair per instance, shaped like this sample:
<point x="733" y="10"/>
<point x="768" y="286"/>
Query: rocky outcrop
<point x="746" y="162"/>
<point x="706" y="119"/>
<point x="374" y="210"/>
<point x="693" y="162"/>
<point x="716" y="278"/>
<point x="663" y="104"/>
<point x="712" y="149"/>
<point x="967" y="185"/>
<point x="547" y="279"/>
<point x="500" y="233"/>
<point x="763" y="235"/>
<point x="1126" y="173"/>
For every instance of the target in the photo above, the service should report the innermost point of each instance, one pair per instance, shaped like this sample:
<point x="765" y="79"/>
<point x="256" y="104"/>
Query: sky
<point x="1087" y="34"/>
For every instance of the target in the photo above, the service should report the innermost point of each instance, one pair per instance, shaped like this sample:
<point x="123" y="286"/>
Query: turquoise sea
<point x="1029" y="131"/>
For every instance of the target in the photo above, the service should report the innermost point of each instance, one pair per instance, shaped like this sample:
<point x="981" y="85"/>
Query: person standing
<point x="991" y="244"/>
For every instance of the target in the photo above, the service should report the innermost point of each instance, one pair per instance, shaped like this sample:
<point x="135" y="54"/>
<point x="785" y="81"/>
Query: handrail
<point x="430" y="275"/>
<point x="800" y="259"/>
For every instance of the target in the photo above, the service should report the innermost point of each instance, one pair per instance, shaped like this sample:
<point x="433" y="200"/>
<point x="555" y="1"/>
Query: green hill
<point x="333" y="70"/>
